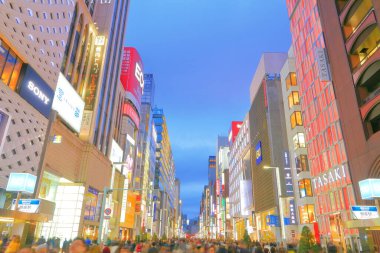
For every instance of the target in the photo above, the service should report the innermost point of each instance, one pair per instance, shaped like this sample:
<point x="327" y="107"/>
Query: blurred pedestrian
<point x="14" y="245"/>
<point x="78" y="246"/>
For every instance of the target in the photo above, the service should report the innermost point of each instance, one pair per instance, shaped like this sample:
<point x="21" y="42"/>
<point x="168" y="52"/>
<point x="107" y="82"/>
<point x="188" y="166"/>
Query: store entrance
<point x="337" y="231"/>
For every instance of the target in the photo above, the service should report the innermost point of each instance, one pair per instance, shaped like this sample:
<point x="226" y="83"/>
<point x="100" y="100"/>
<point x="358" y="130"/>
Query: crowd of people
<point x="80" y="245"/>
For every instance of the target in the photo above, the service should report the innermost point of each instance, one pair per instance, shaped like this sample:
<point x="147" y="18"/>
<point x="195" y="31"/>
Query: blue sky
<point x="203" y="54"/>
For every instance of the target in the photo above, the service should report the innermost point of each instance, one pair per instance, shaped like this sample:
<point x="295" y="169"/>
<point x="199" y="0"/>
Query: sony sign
<point x="329" y="177"/>
<point x="36" y="91"/>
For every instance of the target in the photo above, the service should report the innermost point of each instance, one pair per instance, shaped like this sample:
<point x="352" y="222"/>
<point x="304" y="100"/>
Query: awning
<point x="6" y="214"/>
<point x="370" y="224"/>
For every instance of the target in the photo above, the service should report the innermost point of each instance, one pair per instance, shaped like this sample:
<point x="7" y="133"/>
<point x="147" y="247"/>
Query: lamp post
<point x="280" y="204"/>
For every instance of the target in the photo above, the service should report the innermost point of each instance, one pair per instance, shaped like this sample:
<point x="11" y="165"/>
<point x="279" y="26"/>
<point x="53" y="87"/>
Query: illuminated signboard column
<point x="91" y="91"/>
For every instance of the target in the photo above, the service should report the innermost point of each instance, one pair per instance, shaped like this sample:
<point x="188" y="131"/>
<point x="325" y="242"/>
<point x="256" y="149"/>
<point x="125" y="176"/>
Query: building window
<point x="355" y="16"/>
<point x="10" y="66"/>
<point x="368" y="86"/>
<point x="299" y="141"/>
<point x="304" y="187"/>
<point x="295" y="119"/>
<point x="307" y="214"/>
<point x="365" y="46"/>
<point x="302" y="164"/>
<point x="291" y="80"/>
<point x="372" y="121"/>
<point x="293" y="99"/>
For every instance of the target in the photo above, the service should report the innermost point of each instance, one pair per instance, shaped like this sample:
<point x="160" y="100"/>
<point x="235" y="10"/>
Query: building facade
<point x="338" y="98"/>
<point x="270" y="155"/>
<point x="303" y="203"/>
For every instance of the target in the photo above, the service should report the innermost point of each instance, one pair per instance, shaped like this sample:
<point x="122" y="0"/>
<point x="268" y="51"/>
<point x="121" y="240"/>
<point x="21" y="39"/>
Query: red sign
<point x="217" y="187"/>
<point x="235" y="128"/>
<point x="130" y="111"/>
<point x="132" y="75"/>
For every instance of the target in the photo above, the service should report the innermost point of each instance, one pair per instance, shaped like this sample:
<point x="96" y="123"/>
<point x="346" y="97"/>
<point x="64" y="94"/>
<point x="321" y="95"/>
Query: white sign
<point x="364" y="212"/>
<point x="329" y="177"/>
<point x="370" y="188"/>
<point x="21" y="182"/>
<point x="322" y="63"/>
<point x="26" y="205"/>
<point x="139" y="75"/>
<point x="68" y="103"/>
<point x="39" y="93"/>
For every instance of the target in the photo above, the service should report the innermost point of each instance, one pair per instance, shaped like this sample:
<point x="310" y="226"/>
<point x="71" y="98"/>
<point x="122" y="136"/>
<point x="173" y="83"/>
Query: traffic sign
<point x="107" y="211"/>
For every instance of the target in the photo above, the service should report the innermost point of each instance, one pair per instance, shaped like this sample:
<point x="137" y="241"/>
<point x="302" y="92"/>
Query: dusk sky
<point x="203" y="55"/>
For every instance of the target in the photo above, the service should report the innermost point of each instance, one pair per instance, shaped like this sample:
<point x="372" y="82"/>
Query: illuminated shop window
<point x="372" y="121"/>
<point x="304" y="186"/>
<point x="302" y="163"/>
<point x="299" y="141"/>
<point x="10" y="66"/>
<point x="365" y="46"/>
<point x="293" y="99"/>
<point x="307" y="214"/>
<point x="355" y="16"/>
<point x="296" y="119"/>
<point x="291" y="80"/>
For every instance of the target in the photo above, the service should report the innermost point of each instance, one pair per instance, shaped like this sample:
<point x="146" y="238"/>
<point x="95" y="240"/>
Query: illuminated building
<point x="222" y="221"/>
<point x="270" y="155"/>
<point x="32" y="45"/>
<point x="146" y="159"/>
<point x="164" y="181"/>
<point x="240" y="179"/>
<point x="337" y="53"/>
<point x="303" y="204"/>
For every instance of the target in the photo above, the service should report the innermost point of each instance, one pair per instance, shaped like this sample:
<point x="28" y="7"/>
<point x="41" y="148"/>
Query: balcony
<point x="368" y="86"/>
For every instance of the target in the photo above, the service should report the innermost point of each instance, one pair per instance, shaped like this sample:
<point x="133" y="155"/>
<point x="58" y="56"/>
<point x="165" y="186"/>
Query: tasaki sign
<point x="36" y="91"/>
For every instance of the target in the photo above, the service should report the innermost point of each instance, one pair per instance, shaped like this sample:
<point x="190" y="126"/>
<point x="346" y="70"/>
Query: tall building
<point x="337" y="54"/>
<point x="272" y="185"/>
<point x="111" y="19"/>
<point x="222" y="150"/>
<point x="211" y="169"/>
<point x="144" y="159"/>
<point x="303" y="205"/>
<point x="164" y="181"/>
<point x="32" y="45"/>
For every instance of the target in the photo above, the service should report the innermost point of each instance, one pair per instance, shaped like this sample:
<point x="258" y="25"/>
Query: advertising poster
<point x="132" y="75"/>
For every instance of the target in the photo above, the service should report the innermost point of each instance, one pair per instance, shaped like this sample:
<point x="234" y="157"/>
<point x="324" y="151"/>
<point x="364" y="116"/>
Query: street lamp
<point x="280" y="204"/>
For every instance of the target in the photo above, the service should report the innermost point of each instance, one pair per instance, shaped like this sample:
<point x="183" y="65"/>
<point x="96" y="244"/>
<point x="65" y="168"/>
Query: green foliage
<point x="155" y="237"/>
<point x="316" y="248"/>
<point x="164" y="237"/>
<point x="246" y="239"/>
<point x="307" y="240"/>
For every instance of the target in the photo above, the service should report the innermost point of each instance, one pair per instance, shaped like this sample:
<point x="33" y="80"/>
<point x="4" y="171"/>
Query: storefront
<point x="334" y="194"/>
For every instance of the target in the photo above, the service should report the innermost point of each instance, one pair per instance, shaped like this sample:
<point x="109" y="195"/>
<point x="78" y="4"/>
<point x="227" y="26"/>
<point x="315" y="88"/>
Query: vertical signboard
<point x="322" y="64"/>
<point x="132" y="75"/>
<point x="92" y="86"/>
<point x="259" y="155"/>
<point x="288" y="176"/>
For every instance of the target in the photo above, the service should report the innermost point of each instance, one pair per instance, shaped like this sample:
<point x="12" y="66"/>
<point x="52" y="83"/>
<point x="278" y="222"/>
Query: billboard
<point x="130" y="111"/>
<point x="68" y="103"/>
<point x="36" y="91"/>
<point x="259" y="153"/>
<point x="370" y="188"/>
<point x="245" y="196"/>
<point x="235" y="128"/>
<point x="92" y="85"/>
<point x="21" y="182"/>
<point x="132" y="75"/>
<point x="96" y="65"/>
